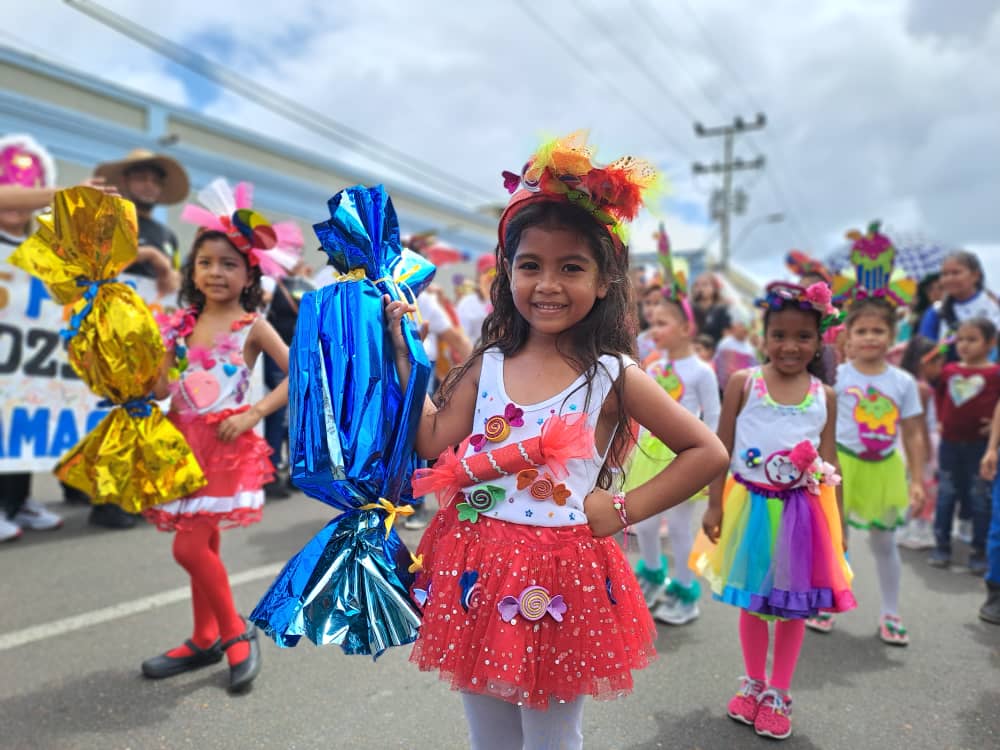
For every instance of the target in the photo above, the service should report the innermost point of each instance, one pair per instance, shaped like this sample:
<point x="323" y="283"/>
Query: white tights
<point x="495" y="724"/>
<point x="888" y="568"/>
<point x="681" y="537"/>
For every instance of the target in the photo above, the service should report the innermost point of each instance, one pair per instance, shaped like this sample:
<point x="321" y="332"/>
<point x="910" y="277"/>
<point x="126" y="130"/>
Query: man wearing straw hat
<point x="148" y="179"/>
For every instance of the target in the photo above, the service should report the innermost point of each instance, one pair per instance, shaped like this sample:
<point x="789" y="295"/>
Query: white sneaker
<point x="651" y="591"/>
<point x="9" y="531"/>
<point x="963" y="531"/>
<point x="35" y="516"/>
<point x="906" y="536"/>
<point x="923" y="534"/>
<point x="680" y="613"/>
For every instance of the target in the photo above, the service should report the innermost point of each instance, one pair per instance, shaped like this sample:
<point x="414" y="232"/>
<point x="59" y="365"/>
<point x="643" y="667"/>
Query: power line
<point x="771" y="173"/>
<point x="660" y="31"/>
<point x="288" y="108"/>
<point x="606" y="82"/>
<point x="632" y="57"/>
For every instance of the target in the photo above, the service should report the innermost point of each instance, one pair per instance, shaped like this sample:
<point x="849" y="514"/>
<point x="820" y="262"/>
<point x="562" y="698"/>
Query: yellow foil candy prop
<point x="135" y="457"/>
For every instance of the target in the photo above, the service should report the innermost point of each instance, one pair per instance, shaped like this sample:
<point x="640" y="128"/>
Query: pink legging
<point x="754" y="638"/>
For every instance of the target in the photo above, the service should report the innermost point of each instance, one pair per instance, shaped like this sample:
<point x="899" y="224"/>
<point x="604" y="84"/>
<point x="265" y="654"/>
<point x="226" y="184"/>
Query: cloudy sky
<point x="875" y="108"/>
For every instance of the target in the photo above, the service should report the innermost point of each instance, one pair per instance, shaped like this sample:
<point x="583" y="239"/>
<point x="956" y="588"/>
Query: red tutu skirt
<point x="236" y="473"/>
<point x="529" y="614"/>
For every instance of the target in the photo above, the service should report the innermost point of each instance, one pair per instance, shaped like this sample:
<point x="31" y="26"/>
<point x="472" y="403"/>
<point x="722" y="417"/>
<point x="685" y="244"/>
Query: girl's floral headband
<point x="818" y="297"/>
<point x="562" y="170"/>
<point x="274" y="248"/>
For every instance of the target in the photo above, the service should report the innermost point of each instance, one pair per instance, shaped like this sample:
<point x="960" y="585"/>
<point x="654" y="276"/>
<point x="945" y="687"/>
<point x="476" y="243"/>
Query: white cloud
<point x="874" y="109"/>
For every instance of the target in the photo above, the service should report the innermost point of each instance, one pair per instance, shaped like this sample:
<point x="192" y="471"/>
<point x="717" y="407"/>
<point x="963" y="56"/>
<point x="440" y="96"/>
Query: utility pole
<point x="728" y="204"/>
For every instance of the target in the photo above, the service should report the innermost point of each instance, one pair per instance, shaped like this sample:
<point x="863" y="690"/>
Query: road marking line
<point x="117" y="611"/>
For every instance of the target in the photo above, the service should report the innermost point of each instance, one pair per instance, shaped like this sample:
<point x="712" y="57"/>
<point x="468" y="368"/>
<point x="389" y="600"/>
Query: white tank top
<point x="766" y="432"/>
<point x="535" y="497"/>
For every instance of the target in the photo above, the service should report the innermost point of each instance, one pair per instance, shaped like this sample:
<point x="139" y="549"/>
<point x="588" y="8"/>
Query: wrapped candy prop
<point x="134" y="457"/>
<point x="351" y="430"/>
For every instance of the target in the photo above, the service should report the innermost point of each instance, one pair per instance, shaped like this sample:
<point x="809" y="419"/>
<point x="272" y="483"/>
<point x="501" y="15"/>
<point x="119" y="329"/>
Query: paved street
<point x="71" y="683"/>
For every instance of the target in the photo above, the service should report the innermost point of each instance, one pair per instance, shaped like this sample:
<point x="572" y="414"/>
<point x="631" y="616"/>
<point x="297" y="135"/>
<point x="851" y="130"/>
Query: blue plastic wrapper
<point x="351" y="433"/>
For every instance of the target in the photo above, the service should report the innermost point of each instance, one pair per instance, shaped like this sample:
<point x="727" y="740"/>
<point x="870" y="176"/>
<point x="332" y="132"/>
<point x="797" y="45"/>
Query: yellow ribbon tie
<point x="356" y="275"/>
<point x="418" y="563"/>
<point x="391" y="511"/>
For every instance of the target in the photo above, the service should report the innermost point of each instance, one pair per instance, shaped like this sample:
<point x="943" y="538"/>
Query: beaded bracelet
<point x="618" y="502"/>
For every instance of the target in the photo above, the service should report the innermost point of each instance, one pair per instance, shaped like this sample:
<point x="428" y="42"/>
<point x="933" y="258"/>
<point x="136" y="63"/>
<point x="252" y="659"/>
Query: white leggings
<point x="681" y="537"/>
<point x="495" y="724"/>
<point x="888" y="568"/>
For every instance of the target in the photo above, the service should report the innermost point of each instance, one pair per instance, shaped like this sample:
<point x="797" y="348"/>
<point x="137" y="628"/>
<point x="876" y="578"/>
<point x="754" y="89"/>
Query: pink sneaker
<point x="774" y="715"/>
<point x="743" y="706"/>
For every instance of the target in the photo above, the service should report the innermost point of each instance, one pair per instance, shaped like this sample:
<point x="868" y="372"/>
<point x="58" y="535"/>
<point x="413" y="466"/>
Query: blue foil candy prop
<point x="351" y="433"/>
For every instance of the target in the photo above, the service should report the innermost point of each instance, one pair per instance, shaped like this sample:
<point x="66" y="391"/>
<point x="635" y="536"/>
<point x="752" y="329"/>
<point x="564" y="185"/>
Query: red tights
<point x="754" y="637"/>
<point x="196" y="549"/>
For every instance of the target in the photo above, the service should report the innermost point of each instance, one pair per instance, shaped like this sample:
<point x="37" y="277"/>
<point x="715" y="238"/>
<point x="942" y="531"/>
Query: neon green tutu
<point x="875" y="495"/>
<point x="649" y="458"/>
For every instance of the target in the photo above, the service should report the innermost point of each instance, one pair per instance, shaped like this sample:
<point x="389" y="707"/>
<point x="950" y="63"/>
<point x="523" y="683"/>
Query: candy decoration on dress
<point x="472" y="591"/>
<point x="873" y="257"/>
<point x="351" y="431"/>
<point x="563" y="170"/>
<point x="274" y="248"/>
<point x="532" y="604"/>
<point x="751" y="457"/>
<point x="876" y="416"/>
<point x="497" y="428"/>
<point x="817" y="297"/>
<point x="480" y="500"/>
<point x="135" y="457"/>
<point x="562" y="438"/>
<point x="542" y="488"/>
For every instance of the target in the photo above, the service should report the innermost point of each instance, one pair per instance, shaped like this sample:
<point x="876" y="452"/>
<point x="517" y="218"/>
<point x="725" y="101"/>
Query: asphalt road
<point x="69" y="678"/>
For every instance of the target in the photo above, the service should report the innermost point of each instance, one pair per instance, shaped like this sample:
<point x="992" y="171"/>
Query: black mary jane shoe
<point x="167" y="666"/>
<point x="242" y="674"/>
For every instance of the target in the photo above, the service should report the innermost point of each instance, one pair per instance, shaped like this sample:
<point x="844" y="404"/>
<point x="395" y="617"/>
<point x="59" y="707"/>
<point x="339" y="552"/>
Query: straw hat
<point x="175" y="181"/>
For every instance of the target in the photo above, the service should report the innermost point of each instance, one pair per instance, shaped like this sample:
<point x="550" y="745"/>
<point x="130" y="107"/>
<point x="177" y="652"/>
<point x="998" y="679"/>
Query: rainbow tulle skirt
<point x="780" y="553"/>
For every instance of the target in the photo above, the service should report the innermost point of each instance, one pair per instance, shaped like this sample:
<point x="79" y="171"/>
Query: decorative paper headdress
<point x="274" y="248"/>
<point x="816" y="297"/>
<point x="563" y="170"/>
<point x="803" y="264"/>
<point x="24" y="162"/>
<point x="674" y="281"/>
<point x="873" y="257"/>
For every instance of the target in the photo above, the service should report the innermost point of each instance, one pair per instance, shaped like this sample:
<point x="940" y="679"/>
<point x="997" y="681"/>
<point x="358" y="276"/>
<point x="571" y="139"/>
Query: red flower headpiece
<point x="562" y="170"/>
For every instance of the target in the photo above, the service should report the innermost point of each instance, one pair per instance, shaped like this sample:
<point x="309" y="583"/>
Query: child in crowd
<point x="704" y="347"/>
<point x="543" y="607"/>
<point x="212" y="347"/>
<point x="967" y="392"/>
<point x="645" y="345"/>
<point x="24" y="164"/>
<point x="875" y="403"/>
<point x="735" y="352"/>
<point x="923" y="360"/>
<point x="777" y="518"/>
<point x="691" y="382"/>
<point x="964" y="287"/>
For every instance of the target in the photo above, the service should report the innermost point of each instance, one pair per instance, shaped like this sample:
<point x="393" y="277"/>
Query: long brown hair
<point x="608" y="329"/>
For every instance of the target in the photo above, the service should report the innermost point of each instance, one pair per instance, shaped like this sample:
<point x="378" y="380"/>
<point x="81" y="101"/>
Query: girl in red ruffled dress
<point x="528" y="603"/>
<point x="212" y="347"/>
